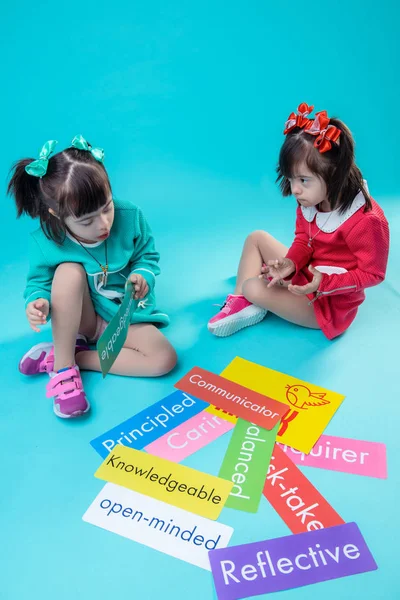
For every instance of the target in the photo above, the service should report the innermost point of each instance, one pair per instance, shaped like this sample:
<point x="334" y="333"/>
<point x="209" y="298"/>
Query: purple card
<point x="289" y="562"/>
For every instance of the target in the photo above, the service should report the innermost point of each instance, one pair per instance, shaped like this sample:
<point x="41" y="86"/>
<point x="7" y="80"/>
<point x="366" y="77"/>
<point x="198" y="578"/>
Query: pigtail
<point x="25" y="189"/>
<point x="346" y="180"/>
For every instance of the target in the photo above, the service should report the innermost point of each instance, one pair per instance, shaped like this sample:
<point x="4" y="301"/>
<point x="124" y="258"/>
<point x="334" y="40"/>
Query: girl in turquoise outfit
<point x="87" y="247"/>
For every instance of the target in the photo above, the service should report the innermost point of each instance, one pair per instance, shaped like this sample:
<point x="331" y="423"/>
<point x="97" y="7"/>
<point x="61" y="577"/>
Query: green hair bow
<point x="80" y="143"/>
<point x="38" y="168"/>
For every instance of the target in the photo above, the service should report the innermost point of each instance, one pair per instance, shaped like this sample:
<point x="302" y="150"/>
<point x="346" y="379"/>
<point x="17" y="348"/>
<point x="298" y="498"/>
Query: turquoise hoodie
<point x="130" y="249"/>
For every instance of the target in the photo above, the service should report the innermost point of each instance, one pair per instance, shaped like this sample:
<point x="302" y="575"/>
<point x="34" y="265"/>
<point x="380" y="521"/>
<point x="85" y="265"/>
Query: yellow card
<point x="312" y="407"/>
<point x="172" y="483"/>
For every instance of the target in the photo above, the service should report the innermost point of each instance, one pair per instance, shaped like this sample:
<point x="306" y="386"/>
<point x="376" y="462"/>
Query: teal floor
<point x="189" y="101"/>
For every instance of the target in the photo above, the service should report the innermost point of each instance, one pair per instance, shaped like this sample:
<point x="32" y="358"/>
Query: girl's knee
<point x="165" y="361"/>
<point x="68" y="274"/>
<point x="71" y="268"/>
<point x="256" y="236"/>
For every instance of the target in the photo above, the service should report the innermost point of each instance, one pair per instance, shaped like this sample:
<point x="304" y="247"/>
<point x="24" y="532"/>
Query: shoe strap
<point x="66" y="382"/>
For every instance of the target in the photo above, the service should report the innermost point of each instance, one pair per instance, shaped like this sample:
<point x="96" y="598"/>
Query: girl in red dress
<point x="341" y="241"/>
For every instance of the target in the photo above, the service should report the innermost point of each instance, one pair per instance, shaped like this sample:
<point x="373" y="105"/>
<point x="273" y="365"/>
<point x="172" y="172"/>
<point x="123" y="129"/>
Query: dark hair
<point x="75" y="184"/>
<point x="336" y="167"/>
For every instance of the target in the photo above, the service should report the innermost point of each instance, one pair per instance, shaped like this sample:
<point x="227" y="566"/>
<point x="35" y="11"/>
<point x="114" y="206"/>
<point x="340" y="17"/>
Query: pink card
<point x="343" y="454"/>
<point x="189" y="437"/>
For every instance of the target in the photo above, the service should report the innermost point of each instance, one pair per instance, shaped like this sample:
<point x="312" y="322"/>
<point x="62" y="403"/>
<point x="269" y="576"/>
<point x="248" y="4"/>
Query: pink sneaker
<point x="235" y="314"/>
<point x="40" y="358"/>
<point x="66" y="389"/>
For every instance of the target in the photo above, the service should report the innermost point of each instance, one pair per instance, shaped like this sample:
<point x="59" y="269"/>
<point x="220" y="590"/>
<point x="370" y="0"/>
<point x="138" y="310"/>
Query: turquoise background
<point x="189" y="101"/>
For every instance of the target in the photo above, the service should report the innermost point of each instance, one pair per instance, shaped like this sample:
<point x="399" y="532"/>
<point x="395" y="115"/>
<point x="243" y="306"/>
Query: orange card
<point x="232" y="397"/>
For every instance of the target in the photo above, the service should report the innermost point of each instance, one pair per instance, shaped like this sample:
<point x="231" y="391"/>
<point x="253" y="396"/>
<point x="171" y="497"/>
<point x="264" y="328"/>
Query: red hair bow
<point x="299" y="118"/>
<point x="326" y="134"/>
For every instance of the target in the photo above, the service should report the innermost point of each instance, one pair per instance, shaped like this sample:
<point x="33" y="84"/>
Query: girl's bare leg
<point x="281" y="302"/>
<point x="71" y="311"/>
<point x="146" y="353"/>
<point x="259" y="248"/>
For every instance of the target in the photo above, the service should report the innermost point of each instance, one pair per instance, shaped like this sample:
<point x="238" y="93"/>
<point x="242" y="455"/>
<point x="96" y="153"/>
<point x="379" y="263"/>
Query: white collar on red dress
<point x="330" y="221"/>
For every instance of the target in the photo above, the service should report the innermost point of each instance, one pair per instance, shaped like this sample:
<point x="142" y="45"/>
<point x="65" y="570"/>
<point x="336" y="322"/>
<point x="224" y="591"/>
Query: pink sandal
<point x="67" y="390"/>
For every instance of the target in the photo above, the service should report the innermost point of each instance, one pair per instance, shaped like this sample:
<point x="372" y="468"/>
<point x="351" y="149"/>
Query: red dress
<point x="350" y="249"/>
